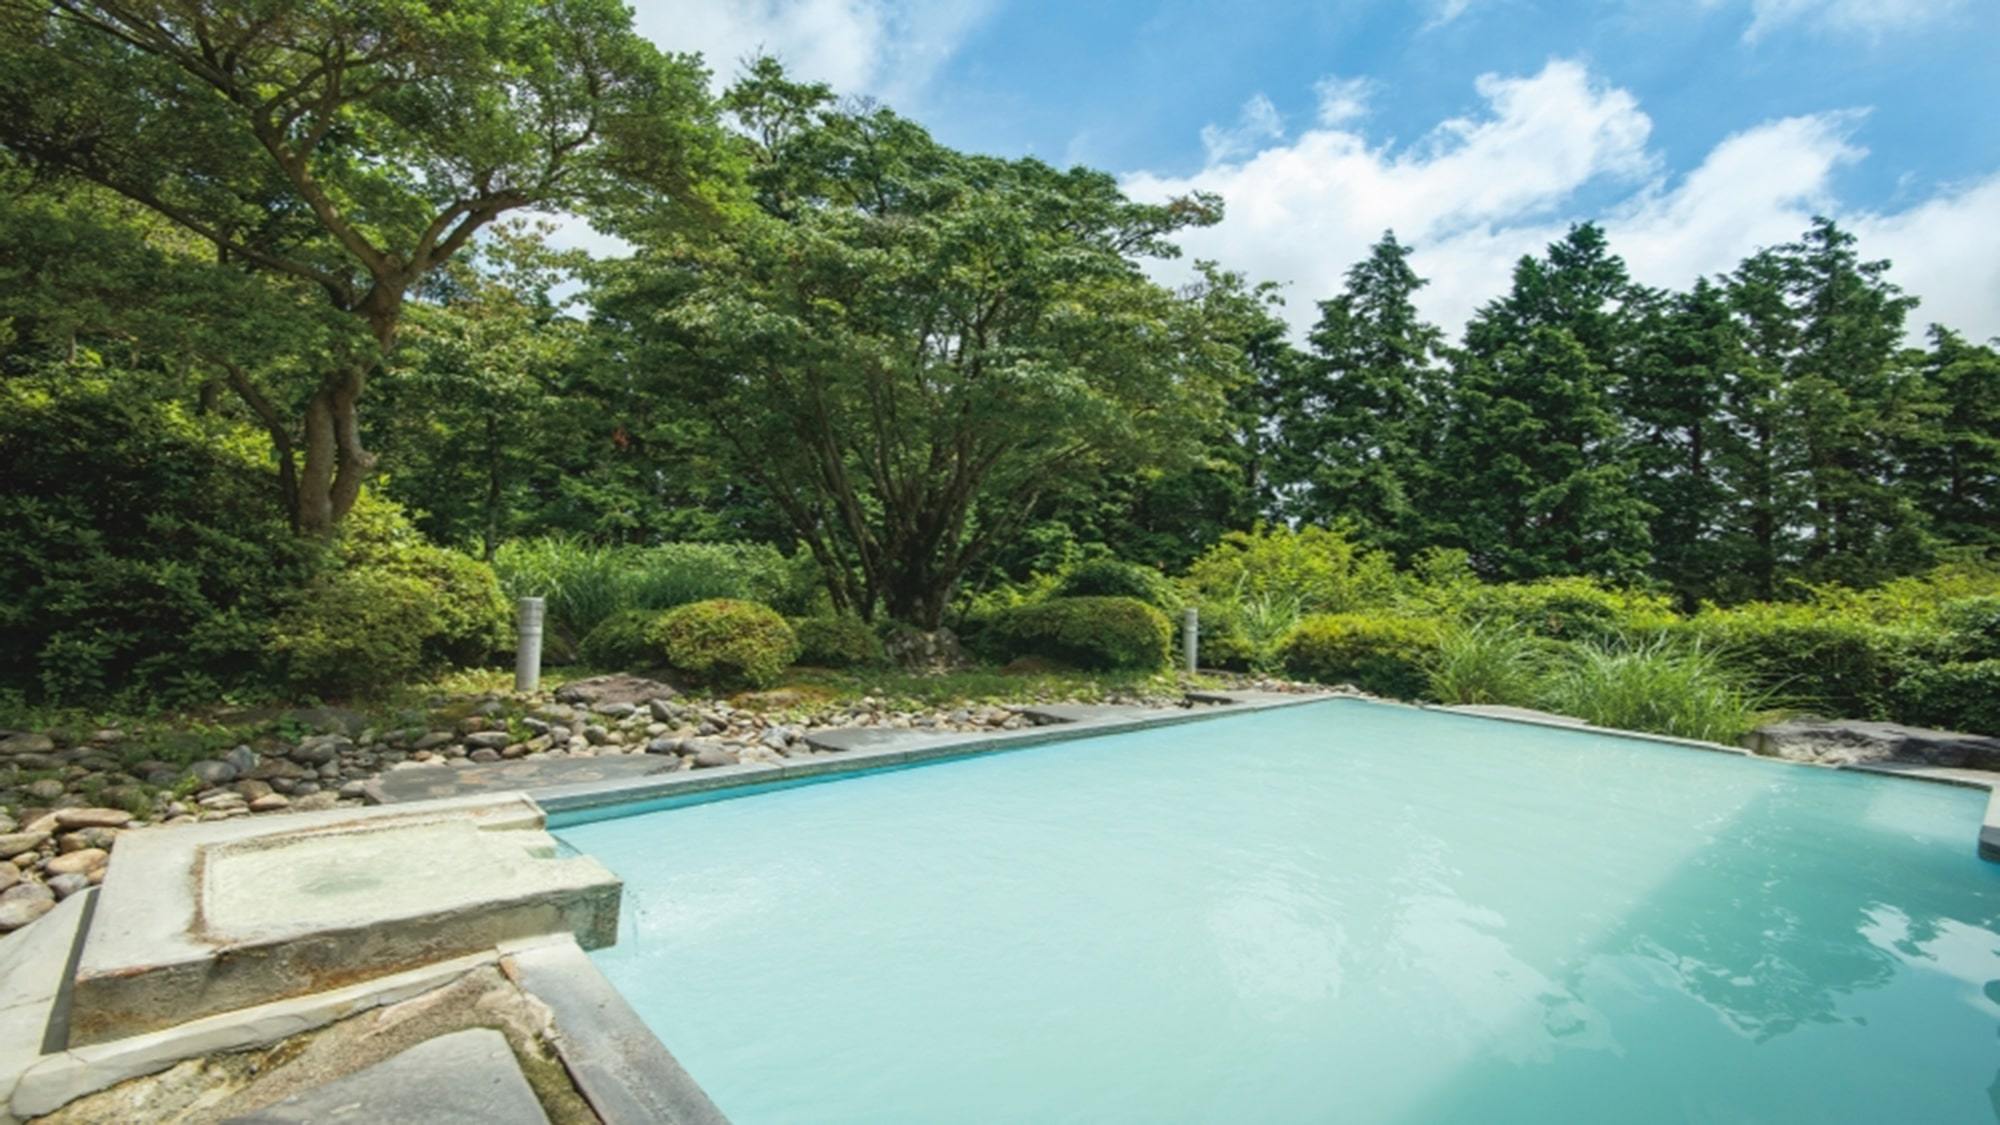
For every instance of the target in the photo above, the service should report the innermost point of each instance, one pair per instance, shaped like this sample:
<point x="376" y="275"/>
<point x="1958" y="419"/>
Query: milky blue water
<point x="1337" y="912"/>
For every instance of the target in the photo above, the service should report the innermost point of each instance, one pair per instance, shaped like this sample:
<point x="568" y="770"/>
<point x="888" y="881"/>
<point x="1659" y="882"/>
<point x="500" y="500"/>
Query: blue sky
<point x="1696" y="130"/>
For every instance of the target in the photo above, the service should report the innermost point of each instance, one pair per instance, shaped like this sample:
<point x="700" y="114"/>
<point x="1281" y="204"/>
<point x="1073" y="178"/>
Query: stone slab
<point x="464" y="1078"/>
<point x="428" y="783"/>
<point x="1500" y="711"/>
<point x="1854" y="742"/>
<point x="628" y="1076"/>
<point x="222" y="915"/>
<point x="34" y="962"/>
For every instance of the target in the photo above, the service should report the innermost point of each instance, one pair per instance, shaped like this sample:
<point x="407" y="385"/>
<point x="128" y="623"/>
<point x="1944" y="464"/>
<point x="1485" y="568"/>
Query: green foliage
<point x="724" y="642"/>
<point x="584" y="584"/>
<point x="1110" y="578"/>
<point x="389" y="606"/>
<point x="838" y="642"/>
<point x="1807" y="655"/>
<point x="1971" y="627"/>
<point x="1224" y="644"/>
<point x="142" y="561"/>
<point x="1658" y="685"/>
<point x="1569" y="608"/>
<point x="1488" y="662"/>
<point x="1089" y="633"/>
<point x="623" y="640"/>
<point x="1321" y="568"/>
<point x="1383" y="655"/>
<point x="1963" y="696"/>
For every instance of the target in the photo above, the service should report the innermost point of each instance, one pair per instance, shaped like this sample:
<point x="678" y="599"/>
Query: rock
<point x="271" y="802"/>
<point x="26" y="744"/>
<point x="616" y="688"/>
<point x="211" y="772"/>
<point x="776" y="738"/>
<point x="243" y="758"/>
<point x="84" y="838"/>
<point x="252" y="789"/>
<point x="23" y="903"/>
<point x="9" y="875"/>
<point x="666" y="744"/>
<point x="433" y="740"/>
<point x="596" y="735"/>
<point x="354" y="790"/>
<point x="484" y="754"/>
<point x="47" y="789"/>
<point x="321" y="750"/>
<point x="7" y="823"/>
<point x="93" y="818"/>
<point x="662" y="710"/>
<point x="489" y="708"/>
<point x="616" y="708"/>
<point x="1852" y="742"/>
<point x="76" y="863"/>
<point x="16" y="843"/>
<point x="312" y="802"/>
<point x="495" y="740"/>
<point x="67" y="885"/>
<point x="711" y="756"/>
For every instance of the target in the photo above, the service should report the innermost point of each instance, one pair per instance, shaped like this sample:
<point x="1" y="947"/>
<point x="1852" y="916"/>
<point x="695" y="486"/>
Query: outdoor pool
<point x="1341" y="911"/>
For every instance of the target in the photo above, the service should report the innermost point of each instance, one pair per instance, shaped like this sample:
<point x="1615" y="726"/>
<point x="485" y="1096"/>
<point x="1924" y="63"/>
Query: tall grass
<point x="1265" y="617"/>
<point x="1653" y="685"/>
<point x="584" y="583"/>
<point x="1488" y="662"/>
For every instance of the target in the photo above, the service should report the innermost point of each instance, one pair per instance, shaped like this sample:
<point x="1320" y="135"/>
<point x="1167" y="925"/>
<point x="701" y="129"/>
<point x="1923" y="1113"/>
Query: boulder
<point x="615" y="688"/>
<point x="26" y="744"/>
<point x="92" y="818"/>
<point x="495" y="740"/>
<point x="1844" y="742"/>
<point x="242" y="758"/>
<point x="211" y="772"/>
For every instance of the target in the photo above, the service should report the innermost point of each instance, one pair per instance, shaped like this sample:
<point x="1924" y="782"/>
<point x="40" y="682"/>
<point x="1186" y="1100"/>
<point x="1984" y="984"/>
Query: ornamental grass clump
<point x="723" y="642"/>
<point x="1488" y="662"/>
<point x="1656" y="685"/>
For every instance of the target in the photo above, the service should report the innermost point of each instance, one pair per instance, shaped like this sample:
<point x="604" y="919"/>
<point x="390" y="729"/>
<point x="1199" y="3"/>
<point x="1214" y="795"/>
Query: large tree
<point x="1953" y="461"/>
<point x="1357" y="432"/>
<point x="908" y="349"/>
<point x="346" y="150"/>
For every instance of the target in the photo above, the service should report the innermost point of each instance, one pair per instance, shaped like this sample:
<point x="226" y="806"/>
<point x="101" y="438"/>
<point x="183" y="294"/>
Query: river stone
<point x="495" y="740"/>
<point x="615" y="688"/>
<point x="211" y="772"/>
<point x="665" y="744"/>
<point x="662" y="710"/>
<point x="47" y="789"/>
<point x="271" y="802"/>
<point x="253" y="789"/>
<point x="27" y="744"/>
<point x="432" y="740"/>
<point x="77" y="862"/>
<point x="321" y="750"/>
<point x="23" y="903"/>
<point x="84" y="838"/>
<point x="66" y="885"/>
<point x="1851" y="742"/>
<point x="9" y="875"/>
<point x="93" y="818"/>
<point x="711" y="756"/>
<point x="16" y="843"/>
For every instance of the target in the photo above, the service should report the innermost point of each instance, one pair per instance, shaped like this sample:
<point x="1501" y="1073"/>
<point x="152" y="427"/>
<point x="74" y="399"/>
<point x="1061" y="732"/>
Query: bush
<point x="585" y="584"/>
<point x="1570" y="609"/>
<point x="622" y="641"/>
<point x="1383" y="655"/>
<point x="1110" y="578"/>
<point x="838" y="642"/>
<point x="1321" y="569"/>
<point x="1095" y="634"/>
<point x="1807" y="655"/>
<point x="1658" y="686"/>
<point x="1961" y="696"/>
<point x="145" y="553"/>
<point x="724" y="642"/>
<point x="1487" y="662"/>
<point x="1225" y="645"/>
<point x="1971" y="627"/>
<point x="390" y="606"/>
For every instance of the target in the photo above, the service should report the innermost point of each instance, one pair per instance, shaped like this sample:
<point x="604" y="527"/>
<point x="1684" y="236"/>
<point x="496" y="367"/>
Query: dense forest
<point x="289" y="363"/>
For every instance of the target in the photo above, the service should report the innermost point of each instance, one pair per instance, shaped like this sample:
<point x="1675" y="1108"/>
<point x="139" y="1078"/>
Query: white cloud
<point x="1872" y="18"/>
<point x="1342" y="100"/>
<point x="1447" y="11"/>
<point x="1256" y="122"/>
<point x="889" y="49"/>
<point x="1557" y="147"/>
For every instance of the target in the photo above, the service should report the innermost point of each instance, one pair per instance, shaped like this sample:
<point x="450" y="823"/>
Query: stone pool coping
<point x="856" y="750"/>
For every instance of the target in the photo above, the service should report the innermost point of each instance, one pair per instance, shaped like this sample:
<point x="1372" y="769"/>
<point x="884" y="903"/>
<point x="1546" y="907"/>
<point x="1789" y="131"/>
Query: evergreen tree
<point x="1953" y="465"/>
<point x="1535" y="481"/>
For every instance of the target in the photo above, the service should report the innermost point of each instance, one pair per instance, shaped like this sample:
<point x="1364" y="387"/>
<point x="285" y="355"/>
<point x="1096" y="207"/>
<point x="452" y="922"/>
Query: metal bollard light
<point x="528" y="655"/>
<point x="1191" y="636"/>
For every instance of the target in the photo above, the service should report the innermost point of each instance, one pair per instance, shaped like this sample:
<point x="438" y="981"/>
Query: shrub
<point x="1807" y="655"/>
<point x="1657" y="685"/>
<point x="1971" y="627"/>
<point x="145" y="554"/>
<point x="356" y="630"/>
<point x="1963" y="696"/>
<point x="1383" y="655"/>
<point x="1487" y="662"/>
<point x="1321" y="568"/>
<point x="1224" y="644"/>
<point x="1110" y="578"/>
<point x="1089" y="633"/>
<point x="838" y="642"/>
<point x="1570" y="609"/>
<point x="622" y="641"/>
<point x="726" y="642"/>
<point x="388" y="606"/>
<point x="585" y="583"/>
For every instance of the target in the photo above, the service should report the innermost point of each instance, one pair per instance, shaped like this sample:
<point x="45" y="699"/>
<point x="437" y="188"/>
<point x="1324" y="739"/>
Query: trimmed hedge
<point x="1808" y="656"/>
<point x="623" y="641"/>
<point x="725" y="642"/>
<point x="1387" y="656"/>
<point x="1961" y="697"/>
<point x="1094" y="634"/>
<point x="838" y="642"/>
